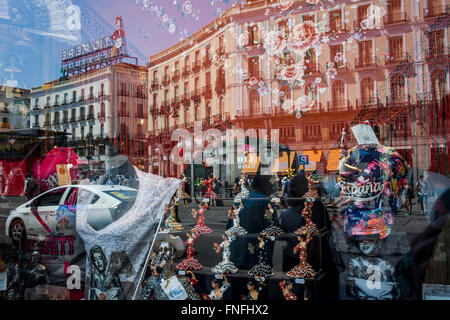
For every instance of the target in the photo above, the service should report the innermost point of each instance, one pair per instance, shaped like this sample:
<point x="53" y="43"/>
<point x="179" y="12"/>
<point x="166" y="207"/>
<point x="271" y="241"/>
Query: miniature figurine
<point x="254" y="290"/>
<point x="286" y="287"/>
<point x="262" y="269"/>
<point x="171" y="223"/>
<point x="273" y="230"/>
<point x="225" y="266"/>
<point x="190" y="262"/>
<point x="236" y="229"/>
<point x="303" y="270"/>
<point x="217" y="290"/>
<point x="200" y="227"/>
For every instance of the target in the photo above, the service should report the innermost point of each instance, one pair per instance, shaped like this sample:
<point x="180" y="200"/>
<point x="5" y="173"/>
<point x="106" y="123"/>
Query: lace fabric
<point x="115" y="254"/>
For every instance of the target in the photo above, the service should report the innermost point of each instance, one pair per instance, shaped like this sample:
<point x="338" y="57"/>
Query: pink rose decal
<point x="283" y="5"/>
<point x="275" y="43"/>
<point x="291" y="73"/>
<point x="252" y="81"/>
<point x="303" y="105"/>
<point x="303" y="37"/>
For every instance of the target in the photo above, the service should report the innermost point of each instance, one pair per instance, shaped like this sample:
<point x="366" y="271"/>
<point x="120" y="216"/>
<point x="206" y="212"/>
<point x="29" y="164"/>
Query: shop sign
<point x="303" y="159"/>
<point x="87" y="48"/>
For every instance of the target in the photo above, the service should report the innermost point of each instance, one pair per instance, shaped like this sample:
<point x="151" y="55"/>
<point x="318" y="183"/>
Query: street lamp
<point x="90" y="147"/>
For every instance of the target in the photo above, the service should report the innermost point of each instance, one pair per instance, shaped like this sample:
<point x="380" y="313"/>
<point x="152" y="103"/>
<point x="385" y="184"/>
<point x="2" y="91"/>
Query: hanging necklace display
<point x="225" y="266"/>
<point x="262" y="269"/>
<point x="286" y="287"/>
<point x="200" y="227"/>
<point x="304" y="269"/>
<point x="273" y="230"/>
<point x="190" y="263"/>
<point x="310" y="196"/>
<point x="236" y="229"/>
<point x="171" y="223"/>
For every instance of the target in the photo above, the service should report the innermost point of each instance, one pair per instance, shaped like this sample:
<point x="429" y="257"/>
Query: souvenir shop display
<point x="304" y="269"/>
<point x="262" y="268"/>
<point x="273" y="230"/>
<point x="200" y="226"/>
<point x="171" y="224"/>
<point x="286" y="287"/>
<point x="105" y="248"/>
<point x="236" y="229"/>
<point x="217" y="289"/>
<point x="310" y="196"/>
<point x="164" y="283"/>
<point x="254" y="289"/>
<point x="225" y="266"/>
<point x="190" y="263"/>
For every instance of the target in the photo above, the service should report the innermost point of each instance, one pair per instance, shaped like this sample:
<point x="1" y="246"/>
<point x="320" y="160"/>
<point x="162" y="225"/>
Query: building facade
<point x="382" y="62"/>
<point x="103" y="111"/>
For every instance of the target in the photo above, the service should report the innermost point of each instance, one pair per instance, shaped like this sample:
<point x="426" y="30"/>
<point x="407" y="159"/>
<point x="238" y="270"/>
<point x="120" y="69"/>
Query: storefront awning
<point x="333" y="160"/>
<point x="314" y="156"/>
<point x="283" y="163"/>
<point x="251" y="164"/>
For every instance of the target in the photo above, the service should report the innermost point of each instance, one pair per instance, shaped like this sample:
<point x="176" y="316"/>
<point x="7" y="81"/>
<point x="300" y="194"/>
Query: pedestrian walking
<point x="422" y="193"/>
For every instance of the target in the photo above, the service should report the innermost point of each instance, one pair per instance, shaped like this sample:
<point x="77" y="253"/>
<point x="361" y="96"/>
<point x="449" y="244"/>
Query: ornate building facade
<point x="103" y="111"/>
<point x="386" y="62"/>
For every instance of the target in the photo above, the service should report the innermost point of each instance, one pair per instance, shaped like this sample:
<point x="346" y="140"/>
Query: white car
<point x="54" y="211"/>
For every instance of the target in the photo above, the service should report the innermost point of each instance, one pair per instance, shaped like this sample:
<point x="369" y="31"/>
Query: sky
<point x="34" y="32"/>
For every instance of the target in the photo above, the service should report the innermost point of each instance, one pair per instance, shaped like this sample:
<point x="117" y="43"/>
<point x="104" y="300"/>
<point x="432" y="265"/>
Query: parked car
<point x="54" y="211"/>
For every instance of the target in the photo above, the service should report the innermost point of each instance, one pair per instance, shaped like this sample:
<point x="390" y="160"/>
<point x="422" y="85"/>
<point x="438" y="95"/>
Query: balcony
<point x="196" y="66"/>
<point x="195" y="95"/>
<point x="254" y="112"/>
<point x="207" y="60"/>
<point x="186" y="71"/>
<point x="82" y="99"/>
<point x="73" y="119"/>
<point x="56" y="122"/>
<point x="312" y="69"/>
<point x="123" y="113"/>
<point x="338" y="105"/>
<point x="367" y="62"/>
<point x="47" y="106"/>
<point x="176" y="76"/>
<point x="166" y="80"/>
<point x="372" y="102"/>
<point x="207" y="92"/>
<point x="436" y="53"/>
<point x="186" y="98"/>
<point x="155" y="84"/>
<point x="220" y="87"/>
<point x="338" y="28"/>
<point x="140" y="115"/>
<point x="123" y="93"/>
<point x="397" y="58"/>
<point x="175" y="101"/>
<point x="91" y="97"/>
<point x="395" y="17"/>
<point x="65" y="120"/>
<point x="101" y="115"/>
<point x="101" y="94"/>
<point x="47" y="123"/>
<point x="91" y="116"/>
<point x="81" y="117"/>
<point x="36" y="107"/>
<point x="399" y="100"/>
<point x="220" y="50"/>
<point x="436" y="11"/>
<point x="141" y="94"/>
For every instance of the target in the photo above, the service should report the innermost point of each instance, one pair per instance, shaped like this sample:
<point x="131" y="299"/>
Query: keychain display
<point x="304" y="269"/>
<point x="262" y="269"/>
<point x="225" y="266"/>
<point x="190" y="263"/>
